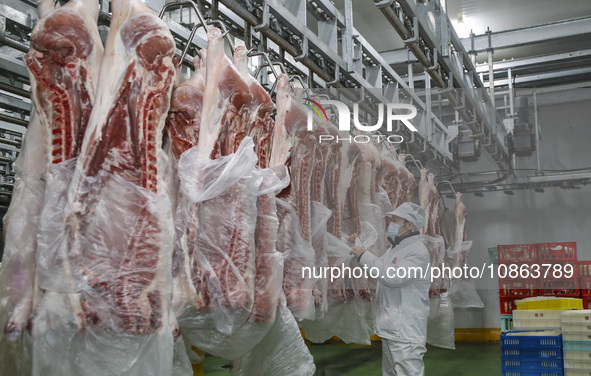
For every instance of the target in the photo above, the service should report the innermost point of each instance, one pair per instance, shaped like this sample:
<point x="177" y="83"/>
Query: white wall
<point x="531" y="217"/>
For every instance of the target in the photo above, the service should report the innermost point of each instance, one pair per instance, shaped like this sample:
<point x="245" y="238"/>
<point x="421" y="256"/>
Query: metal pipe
<point x="538" y="134"/>
<point x="13" y="120"/>
<point x="411" y="82"/>
<point x="511" y="104"/>
<point x="15" y="90"/>
<point x="399" y="26"/>
<point x="429" y="122"/>
<point x="491" y="82"/>
<point x="17" y="45"/>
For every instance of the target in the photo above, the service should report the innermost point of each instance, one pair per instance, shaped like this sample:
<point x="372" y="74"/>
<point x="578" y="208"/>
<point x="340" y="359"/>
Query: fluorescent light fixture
<point x="461" y="26"/>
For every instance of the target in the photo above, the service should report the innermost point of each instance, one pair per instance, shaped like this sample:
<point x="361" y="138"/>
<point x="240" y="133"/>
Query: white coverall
<point x="402" y="306"/>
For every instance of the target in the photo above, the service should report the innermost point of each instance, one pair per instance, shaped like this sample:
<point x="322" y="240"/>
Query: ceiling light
<point x="461" y="27"/>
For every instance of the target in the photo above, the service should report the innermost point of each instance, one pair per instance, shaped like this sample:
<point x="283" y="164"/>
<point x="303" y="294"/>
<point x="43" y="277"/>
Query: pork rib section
<point x="259" y="124"/>
<point x="117" y="227"/>
<point x="63" y="62"/>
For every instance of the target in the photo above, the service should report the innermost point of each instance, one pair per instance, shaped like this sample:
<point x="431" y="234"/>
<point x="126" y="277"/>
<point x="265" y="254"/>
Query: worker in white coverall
<point x="402" y="298"/>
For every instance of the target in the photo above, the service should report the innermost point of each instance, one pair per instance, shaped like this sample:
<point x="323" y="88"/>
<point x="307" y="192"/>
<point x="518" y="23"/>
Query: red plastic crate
<point x="557" y="252"/>
<point x="508" y="305"/>
<point x="586" y="301"/>
<point x="563" y="287"/>
<point x="585" y="285"/>
<point x="584" y="268"/>
<point x="517" y="254"/>
<point x="560" y="287"/>
<point x="521" y="288"/>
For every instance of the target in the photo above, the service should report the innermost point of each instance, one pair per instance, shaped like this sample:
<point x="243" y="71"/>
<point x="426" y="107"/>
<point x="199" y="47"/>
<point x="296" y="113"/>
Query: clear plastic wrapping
<point x="462" y="292"/>
<point x="441" y="324"/>
<point x="17" y="277"/>
<point x="349" y="302"/>
<point x="373" y="228"/>
<point x="281" y="352"/>
<point x="105" y="308"/>
<point x="320" y="217"/>
<point x="220" y="320"/>
<point x="216" y="220"/>
<point x="298" y="258"/>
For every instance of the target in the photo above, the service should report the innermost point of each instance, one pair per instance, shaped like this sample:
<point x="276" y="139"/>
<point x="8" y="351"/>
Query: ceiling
<point x="498" y="15"/>
<point x="478" y="15"/>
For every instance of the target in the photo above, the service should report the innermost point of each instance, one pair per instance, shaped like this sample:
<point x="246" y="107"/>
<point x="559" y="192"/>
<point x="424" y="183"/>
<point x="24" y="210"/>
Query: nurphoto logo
<point x="393" y="112"/>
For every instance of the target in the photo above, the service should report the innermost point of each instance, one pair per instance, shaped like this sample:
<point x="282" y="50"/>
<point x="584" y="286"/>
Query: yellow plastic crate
<point x="549" y="303"/>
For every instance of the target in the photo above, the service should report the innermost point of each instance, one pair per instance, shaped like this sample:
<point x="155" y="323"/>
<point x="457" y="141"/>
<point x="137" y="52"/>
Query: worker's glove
<point x="357" y="251"/>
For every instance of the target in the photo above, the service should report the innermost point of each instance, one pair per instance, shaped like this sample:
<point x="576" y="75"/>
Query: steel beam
<point x="13" y="65"/>
<point x="537" y="60"/>
<point x="13" y="120"/>
<point x="15" y="90"/>
<point x="476" y="109"/>
<point x="557" y="177"/>
<point x="14" y="104"/>
<point x="18" y="17"/>
<point x="520" y="79"/>
<point x="577" y="28"/>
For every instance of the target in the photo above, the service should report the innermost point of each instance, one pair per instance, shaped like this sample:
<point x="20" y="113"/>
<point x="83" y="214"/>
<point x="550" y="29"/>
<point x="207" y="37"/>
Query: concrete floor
<point x="337" y="359"/>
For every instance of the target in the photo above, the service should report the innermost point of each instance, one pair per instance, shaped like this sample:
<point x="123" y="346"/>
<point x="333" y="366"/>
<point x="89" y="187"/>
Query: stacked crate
<point x="511" y="289"/>
<point x="585" y="278"/>
<point x="561" y="254"/>
<point x="532" y="353"/>
<point x="576" y="335"/>
<point x="536" y="319"/>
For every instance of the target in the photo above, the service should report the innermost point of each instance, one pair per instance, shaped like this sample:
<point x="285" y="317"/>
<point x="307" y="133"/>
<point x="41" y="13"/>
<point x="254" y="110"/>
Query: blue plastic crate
<point x="543" y="342"/>
<point x="532" y="373"/>
<point x="506" y="323"/>
<point x="533" y="364"/>
<point x="530" y="353"/>
<point x="576" y="345"/>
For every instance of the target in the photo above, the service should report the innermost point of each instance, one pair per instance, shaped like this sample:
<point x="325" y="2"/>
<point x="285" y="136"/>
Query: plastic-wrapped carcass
<point x="63" y="65"/>
<point x="106" y="254"/>
<point x="220" y="316"/>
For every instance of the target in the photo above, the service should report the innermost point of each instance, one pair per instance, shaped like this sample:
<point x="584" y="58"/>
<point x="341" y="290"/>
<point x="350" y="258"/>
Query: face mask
<point x="393" y="229"/>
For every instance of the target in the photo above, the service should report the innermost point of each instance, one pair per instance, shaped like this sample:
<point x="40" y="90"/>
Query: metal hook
<point x="336" y="77"/>
<point x="450" y="185"/>
<point x="306" y="88"/>
<point x="419" y="165"/>
<point x="267" y="63"/>
<point x="202" y="23"/>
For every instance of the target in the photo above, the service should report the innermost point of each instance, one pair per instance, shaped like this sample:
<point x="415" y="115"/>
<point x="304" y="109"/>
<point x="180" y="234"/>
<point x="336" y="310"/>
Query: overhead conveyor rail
<point x="445" y="59"/>
<point x="335" y="56"/>
<point x="330" y="58"/>
<point x="343" y="59"/>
